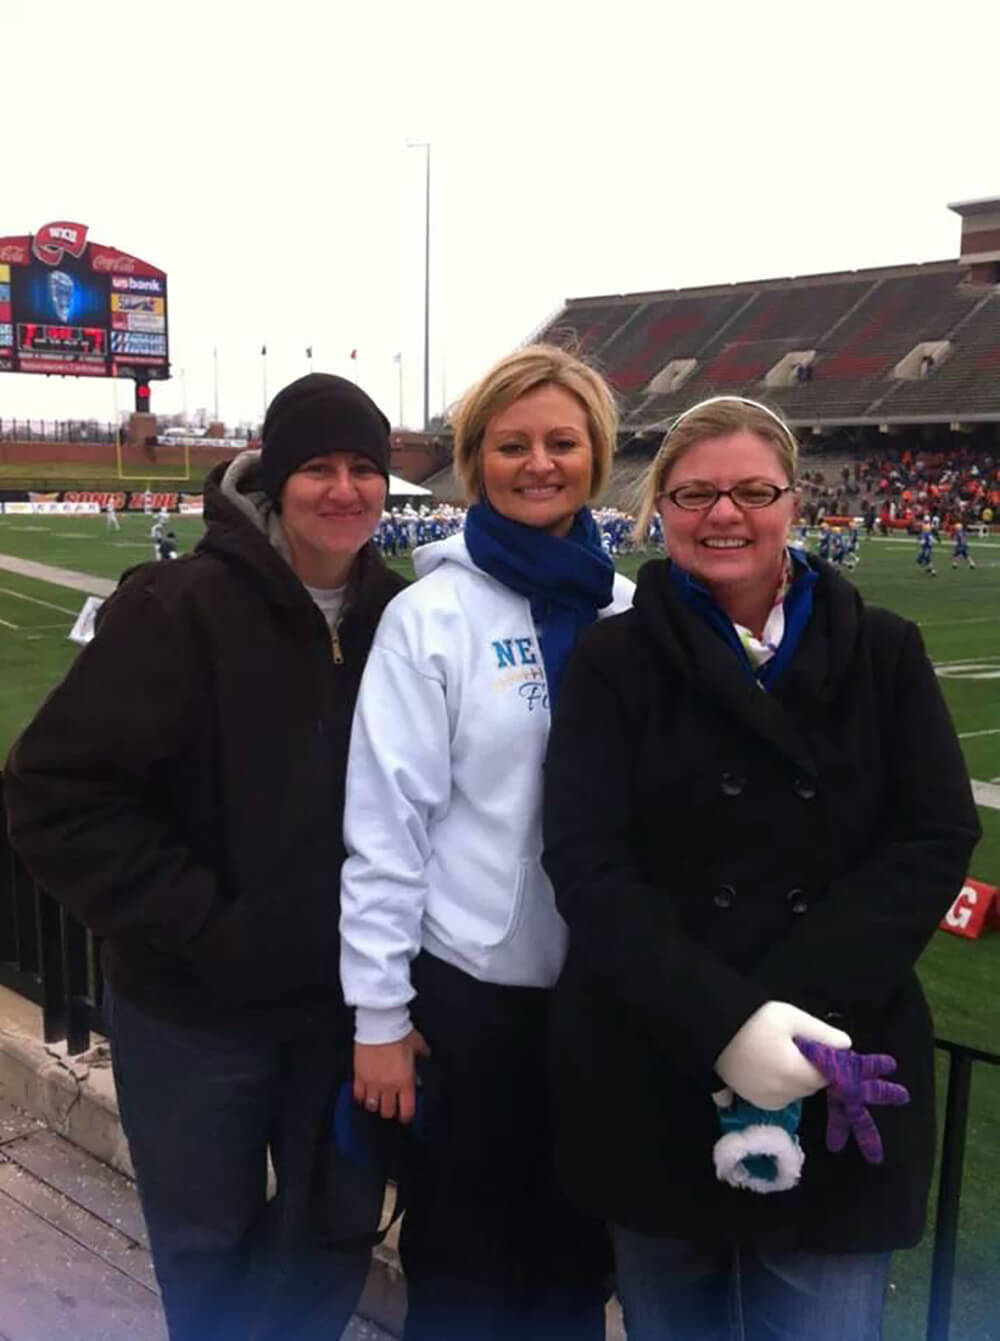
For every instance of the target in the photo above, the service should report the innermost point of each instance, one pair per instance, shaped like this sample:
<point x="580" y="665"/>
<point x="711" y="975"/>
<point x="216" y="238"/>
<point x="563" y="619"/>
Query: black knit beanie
<point x="315" y="415"/>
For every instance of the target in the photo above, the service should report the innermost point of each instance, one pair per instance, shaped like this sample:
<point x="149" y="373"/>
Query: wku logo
<point x="54" y="239"/>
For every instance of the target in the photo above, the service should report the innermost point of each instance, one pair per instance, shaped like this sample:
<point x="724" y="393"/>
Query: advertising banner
<point x="137" y="284"/>
<point x="36" y="509"/>
<point x="129" y="342"/>
<point x="137" y="302"/>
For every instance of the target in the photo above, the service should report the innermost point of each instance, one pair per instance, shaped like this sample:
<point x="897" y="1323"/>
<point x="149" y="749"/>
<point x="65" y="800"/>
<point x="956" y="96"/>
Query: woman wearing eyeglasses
<point x="756" y="812"/>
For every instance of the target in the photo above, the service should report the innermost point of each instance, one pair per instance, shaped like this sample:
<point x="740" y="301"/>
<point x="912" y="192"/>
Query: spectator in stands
<point x="700" y="746"/>
<point x="181" y="792"/>
<point x="451" y="940"/>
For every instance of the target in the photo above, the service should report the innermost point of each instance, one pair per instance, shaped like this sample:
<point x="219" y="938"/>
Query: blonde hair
<point x="714" y="418"/>
<point x="515" y="376"/>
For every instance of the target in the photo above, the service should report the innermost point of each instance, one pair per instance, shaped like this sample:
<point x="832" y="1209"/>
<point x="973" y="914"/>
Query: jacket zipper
<point x="338" y="653"/>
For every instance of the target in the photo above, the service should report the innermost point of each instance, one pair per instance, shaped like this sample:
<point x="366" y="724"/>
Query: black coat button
<point x="733" y="784"/>
<point x="724" y="896"/>
<point x="804" y="788"/>
<point x="797" y="900"/>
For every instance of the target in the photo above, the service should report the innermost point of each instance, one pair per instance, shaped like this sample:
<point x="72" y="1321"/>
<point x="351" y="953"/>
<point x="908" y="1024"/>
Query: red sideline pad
<point x="977" y="906"/>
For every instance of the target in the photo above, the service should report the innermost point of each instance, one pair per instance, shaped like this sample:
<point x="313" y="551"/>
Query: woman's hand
<point x="384" y="1075"/>
<point x="762" y="1063"/>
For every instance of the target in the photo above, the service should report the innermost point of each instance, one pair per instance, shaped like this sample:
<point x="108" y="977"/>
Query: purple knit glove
<point x="854" y="1080"/>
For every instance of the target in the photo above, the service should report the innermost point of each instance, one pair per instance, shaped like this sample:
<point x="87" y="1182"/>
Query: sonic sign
<point x="74" y="307"/>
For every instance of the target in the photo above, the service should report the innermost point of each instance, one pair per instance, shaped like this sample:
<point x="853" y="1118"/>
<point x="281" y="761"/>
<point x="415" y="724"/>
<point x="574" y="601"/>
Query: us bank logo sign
<point x="519" y="671"/>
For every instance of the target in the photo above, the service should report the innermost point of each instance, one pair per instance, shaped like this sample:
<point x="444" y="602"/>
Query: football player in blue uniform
<point x="961" y="550"/>
<point x="925" y="558"/>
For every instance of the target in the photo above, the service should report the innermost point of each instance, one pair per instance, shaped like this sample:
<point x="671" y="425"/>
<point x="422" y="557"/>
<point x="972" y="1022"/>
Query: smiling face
<point x="537" y="460"/>
<point x="725" y="547"/>
<point x="330" y="507"/>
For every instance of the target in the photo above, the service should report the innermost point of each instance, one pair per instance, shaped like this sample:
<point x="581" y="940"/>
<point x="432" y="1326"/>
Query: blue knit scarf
<point x="566" y="579"/>
<point x="798" y="605"/>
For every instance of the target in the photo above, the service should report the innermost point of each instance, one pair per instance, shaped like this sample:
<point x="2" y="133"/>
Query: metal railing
<point x="48" y="957"/>
<point x="956" y="1123"/>
<point x="57" y="430"/>
<point x="45" y="954"/>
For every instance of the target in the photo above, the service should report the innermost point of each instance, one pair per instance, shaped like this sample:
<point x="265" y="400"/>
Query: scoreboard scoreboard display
<point x="75" y="307"/>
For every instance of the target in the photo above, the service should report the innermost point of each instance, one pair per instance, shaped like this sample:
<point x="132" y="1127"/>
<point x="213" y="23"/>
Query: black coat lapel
<point x="714" y="671"/>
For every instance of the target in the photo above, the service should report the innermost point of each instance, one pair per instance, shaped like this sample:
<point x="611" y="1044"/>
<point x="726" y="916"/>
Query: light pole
<point x="215" y="381"/>
<point x="263" y="373"/>
<point x="425" y="145"/>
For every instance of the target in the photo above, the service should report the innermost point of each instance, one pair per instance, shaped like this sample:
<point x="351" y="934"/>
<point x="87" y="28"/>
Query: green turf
<point x="959" y="614"/>
<point x="83" y="542"/>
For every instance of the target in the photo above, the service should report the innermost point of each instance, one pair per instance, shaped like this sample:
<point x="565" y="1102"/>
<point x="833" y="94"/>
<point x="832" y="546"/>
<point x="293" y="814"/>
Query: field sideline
<point x="959" y="615"/>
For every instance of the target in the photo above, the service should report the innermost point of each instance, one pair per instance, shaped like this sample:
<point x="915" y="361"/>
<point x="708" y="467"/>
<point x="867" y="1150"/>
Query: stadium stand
<point x="859" y="325"/>
<point x="865" y="363"/>
<point x="850" y="331"/>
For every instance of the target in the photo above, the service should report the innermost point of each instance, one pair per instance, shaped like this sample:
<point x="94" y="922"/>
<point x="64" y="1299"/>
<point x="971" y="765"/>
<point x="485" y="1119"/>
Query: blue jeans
<point x="673" y="1290"/>
<point x="201" y="1109"/>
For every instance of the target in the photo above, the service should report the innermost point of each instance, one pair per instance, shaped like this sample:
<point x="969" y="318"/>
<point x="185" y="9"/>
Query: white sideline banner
<point x="30" y="509"/>
<point x="83" y="630"/>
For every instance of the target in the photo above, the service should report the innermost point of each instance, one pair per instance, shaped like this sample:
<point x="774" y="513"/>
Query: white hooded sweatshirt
<point x="443" y="824"/>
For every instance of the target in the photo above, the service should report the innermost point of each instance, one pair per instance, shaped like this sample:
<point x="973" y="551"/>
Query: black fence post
<point x="51" y="967"/>
<point x="956" y="1123"/>
<point x="76" y="959"/>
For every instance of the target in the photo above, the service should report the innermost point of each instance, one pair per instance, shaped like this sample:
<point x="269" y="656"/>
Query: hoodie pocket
<point x="523" y="882"/>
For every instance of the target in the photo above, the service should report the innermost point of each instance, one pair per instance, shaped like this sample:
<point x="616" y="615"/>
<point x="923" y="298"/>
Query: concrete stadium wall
<point x="414" y="456"/>
<point x="103" y="453"/>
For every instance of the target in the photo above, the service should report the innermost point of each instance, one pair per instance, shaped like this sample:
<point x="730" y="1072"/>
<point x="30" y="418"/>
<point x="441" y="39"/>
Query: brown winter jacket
<point x="181" y="791"/>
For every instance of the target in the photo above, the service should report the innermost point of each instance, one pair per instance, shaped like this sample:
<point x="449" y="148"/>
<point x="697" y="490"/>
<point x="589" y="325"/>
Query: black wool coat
<point x="714" y="846"/>
<point x="182" y="790"/>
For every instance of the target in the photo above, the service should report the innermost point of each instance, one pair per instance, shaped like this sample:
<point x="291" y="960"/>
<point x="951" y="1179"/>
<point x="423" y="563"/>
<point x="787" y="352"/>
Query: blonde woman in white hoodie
<point x="450" y="936"/>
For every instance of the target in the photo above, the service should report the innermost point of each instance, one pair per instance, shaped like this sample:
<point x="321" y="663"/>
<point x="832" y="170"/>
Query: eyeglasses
<point x="747" y="495"/>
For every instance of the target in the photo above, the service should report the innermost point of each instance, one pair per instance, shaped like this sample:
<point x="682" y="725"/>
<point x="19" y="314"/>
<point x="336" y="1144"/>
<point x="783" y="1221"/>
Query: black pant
<point x="491" y="1248"/>
<point x="200" y="1110"/>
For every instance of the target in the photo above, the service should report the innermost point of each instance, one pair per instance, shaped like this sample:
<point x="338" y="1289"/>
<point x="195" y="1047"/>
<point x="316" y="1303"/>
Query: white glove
<point x="763" y="1065"/>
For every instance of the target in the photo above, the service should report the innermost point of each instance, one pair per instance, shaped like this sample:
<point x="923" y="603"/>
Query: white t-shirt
<point x="330" y="601"/>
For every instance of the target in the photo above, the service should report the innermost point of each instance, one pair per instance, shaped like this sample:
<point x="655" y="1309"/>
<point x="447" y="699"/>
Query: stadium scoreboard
<point x="77" y="308"/>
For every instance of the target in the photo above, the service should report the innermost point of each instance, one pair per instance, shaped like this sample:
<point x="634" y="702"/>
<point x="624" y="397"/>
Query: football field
<point x="959" y="615"/>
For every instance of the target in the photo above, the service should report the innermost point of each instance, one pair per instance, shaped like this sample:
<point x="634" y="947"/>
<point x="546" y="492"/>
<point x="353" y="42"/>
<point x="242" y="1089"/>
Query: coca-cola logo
<point x="121" y="265"/>
<point x="13" y="255"/>
<point x="53" y="240"/>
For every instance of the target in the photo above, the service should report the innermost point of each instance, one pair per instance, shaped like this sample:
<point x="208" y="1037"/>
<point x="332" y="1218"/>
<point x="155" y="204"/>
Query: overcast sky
<point x="258" y="155"/>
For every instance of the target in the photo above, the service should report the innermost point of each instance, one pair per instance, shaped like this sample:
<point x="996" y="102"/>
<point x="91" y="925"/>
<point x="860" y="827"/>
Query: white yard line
<point x="986" y="794"/>
<point x="990" y="731"/>
<point x="60" y="577"/>
<point x="966" y="661"/>
<point x="975" y="542"/>
<point x="949" y="623"/>
<point x="8" y="625"/>
<point x="20" y="596"/>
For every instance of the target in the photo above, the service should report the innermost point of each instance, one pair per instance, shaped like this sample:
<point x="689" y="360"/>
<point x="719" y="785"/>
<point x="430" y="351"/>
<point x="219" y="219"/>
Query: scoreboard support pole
<point x="147" y="478"/>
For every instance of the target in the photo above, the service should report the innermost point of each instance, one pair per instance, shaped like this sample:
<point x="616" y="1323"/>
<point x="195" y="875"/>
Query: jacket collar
<point x="698" y="653"/>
